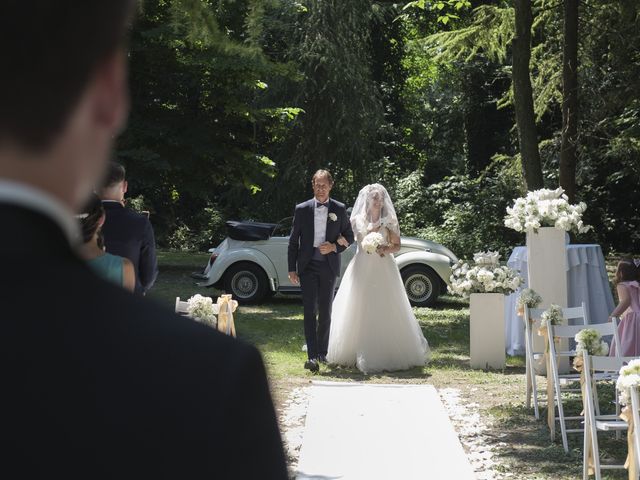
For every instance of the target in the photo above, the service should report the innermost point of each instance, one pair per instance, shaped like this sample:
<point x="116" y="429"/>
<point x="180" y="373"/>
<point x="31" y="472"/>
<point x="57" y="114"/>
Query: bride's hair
<point x="361" y="218"/>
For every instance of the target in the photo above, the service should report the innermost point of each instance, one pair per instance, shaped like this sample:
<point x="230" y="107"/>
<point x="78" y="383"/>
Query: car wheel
<point x="422" y="285"/>
<point x="247" y="282"/>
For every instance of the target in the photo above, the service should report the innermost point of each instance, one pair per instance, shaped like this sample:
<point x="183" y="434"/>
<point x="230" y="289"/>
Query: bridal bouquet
<point x="372" y="241"/>
<point x="546" y="208"/>
<point x="485" y="276"/>
<point x="201" y="309"/>
<point x="629" y="377"/>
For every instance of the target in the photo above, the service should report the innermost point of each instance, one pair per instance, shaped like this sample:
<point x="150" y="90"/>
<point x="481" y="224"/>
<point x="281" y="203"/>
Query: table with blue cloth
<point x="586" y="282"/>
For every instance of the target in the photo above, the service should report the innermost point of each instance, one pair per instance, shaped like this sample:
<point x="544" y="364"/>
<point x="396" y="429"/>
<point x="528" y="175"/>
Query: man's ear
<point x="111" y="98"/>
<point x="125" y="187"/>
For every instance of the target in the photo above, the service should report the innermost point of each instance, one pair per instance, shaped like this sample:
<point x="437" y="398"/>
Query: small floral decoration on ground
<point x="201" y="309"/>
<point x="546" y="208"/>
<point x="372" y="241"/>
<point x="529" y="298"/>
<point x="486" y="276"/>
<point x="629" y="378"/>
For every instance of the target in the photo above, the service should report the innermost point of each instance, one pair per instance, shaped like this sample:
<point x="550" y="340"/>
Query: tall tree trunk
<point x="569" y="99"/>
<point x="523" y="96"/>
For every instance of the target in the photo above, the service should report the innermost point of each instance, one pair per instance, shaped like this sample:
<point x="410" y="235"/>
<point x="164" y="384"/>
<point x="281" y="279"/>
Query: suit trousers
<point x="318" y="286"/>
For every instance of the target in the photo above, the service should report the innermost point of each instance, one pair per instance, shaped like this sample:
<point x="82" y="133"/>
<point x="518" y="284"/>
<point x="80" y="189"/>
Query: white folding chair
<point x="531" y="317"/>
<point x="181" y="307"/>
<point x="635" y="405"/>
<point x="532" y="320"/>
<point x="562" y="382"/>
<point x="594" y="423"/>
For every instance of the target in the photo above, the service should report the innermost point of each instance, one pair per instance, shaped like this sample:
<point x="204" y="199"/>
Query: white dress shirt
<point x="23" y="195"/>
<point x="320" y="215"/>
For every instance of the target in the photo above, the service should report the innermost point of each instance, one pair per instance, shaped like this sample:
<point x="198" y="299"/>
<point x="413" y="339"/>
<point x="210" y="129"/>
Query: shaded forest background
<point x="235" y="103"/>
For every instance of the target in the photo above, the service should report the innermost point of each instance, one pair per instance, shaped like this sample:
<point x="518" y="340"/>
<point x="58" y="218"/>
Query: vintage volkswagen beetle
<point x="251" y="264"/>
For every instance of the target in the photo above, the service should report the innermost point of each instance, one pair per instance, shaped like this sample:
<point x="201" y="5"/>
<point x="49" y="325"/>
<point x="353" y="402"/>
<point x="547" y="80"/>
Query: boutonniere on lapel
<point x="333" y="217"/>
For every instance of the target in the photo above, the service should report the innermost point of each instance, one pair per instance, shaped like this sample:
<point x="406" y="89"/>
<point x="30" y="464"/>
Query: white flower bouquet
<point x="629" y="377"/>
<point x="546" y="208"/>
<point x="486" y="276"/>
<point x="552" y="316"/>
<point x="201" y="309"/>
<point x="372" y="241"/>
<point x="590" y="341"/>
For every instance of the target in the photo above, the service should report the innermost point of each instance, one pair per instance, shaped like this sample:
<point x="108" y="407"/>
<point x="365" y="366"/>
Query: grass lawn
<point x="521" y="443"/>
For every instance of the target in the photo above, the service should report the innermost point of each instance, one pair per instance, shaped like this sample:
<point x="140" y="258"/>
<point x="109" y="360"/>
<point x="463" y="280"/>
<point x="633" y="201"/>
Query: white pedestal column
<point x="547" y="262"/>
<point x="487" y="345"/>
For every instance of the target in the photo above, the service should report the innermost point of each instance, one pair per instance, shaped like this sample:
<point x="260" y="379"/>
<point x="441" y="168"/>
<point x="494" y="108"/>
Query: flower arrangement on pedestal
<point x="201" y="309"/>
<point x="546" y="208"/>
<point x="485" y="276"/>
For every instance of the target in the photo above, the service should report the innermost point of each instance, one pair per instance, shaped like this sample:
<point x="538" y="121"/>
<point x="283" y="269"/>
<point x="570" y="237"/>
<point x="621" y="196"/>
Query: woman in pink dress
<point x="628" y="309"/>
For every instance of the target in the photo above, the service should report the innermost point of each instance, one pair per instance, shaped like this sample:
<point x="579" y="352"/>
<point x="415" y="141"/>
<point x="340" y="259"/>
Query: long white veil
<point x="361" y="218"/>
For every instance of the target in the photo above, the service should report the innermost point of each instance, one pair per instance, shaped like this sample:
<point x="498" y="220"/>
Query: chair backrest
<point x="576" y="312"/>
<point x="181" y="307"/>
<point x="570" y="331"/>
<point x="607" y="364"/>
<point x="533" y="314"/>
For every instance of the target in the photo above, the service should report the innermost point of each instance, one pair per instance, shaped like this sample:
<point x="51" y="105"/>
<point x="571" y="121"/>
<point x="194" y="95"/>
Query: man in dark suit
<point x="96" y="382"/>
<point x="314" y="262"/>
<point x="127" y="233"/>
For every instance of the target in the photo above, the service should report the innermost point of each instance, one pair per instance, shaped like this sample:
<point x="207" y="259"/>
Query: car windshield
<point x="283" y="229"/>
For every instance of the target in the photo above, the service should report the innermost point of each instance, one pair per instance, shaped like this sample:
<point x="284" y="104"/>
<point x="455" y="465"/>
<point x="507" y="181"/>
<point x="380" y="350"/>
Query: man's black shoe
<point x="312" y="365"/>
<point x="322" y="359"/>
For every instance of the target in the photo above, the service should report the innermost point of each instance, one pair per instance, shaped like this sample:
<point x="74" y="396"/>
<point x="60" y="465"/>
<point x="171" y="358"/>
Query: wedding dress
<point x="373" y="326"/>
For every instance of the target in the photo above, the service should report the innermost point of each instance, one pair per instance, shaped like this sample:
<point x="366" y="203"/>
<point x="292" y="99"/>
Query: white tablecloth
<point x="587" y="282"/>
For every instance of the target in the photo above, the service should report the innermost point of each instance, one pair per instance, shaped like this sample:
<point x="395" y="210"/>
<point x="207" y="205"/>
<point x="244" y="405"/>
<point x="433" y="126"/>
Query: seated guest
<point x="111" y="267"/>
<point x="628" y="308"/>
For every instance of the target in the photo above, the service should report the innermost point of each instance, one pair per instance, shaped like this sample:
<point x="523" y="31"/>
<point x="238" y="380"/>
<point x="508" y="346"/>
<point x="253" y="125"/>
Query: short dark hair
<point x="49" y="49"/>
<point x="322" y="173"/>
<point x="116" y="173"/>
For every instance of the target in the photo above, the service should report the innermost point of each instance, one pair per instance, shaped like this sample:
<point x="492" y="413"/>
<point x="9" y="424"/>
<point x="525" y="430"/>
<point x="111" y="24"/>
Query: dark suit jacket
<point x="301" y="239"/>
<point x="100" y="383"/>
<point x="130" y="235"/>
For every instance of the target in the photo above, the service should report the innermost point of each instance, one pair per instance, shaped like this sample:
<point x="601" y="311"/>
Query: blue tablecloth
<point x="586" y="282"/>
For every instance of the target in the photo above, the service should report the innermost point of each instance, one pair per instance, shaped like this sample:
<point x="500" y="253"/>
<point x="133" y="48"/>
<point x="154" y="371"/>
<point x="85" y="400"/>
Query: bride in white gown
<point x="373" y="326"/>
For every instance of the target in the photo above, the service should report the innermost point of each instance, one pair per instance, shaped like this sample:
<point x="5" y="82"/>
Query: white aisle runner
<point x="368" y="431"/>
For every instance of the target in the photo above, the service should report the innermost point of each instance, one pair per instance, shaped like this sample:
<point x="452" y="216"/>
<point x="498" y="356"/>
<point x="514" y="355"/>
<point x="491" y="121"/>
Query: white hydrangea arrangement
<point x="486" y="276"/>
<point x="528" y="298"/>
<point x="552" y="316"/>
<point x="629" y="377"/>
<point x="201" y="309"/>
<point x="590" y="341"/>
<point x="546" y="208"/>
<point x="372" y="241"/>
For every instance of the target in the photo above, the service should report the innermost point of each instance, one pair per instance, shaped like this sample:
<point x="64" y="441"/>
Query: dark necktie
<point x="319" y="204"/>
